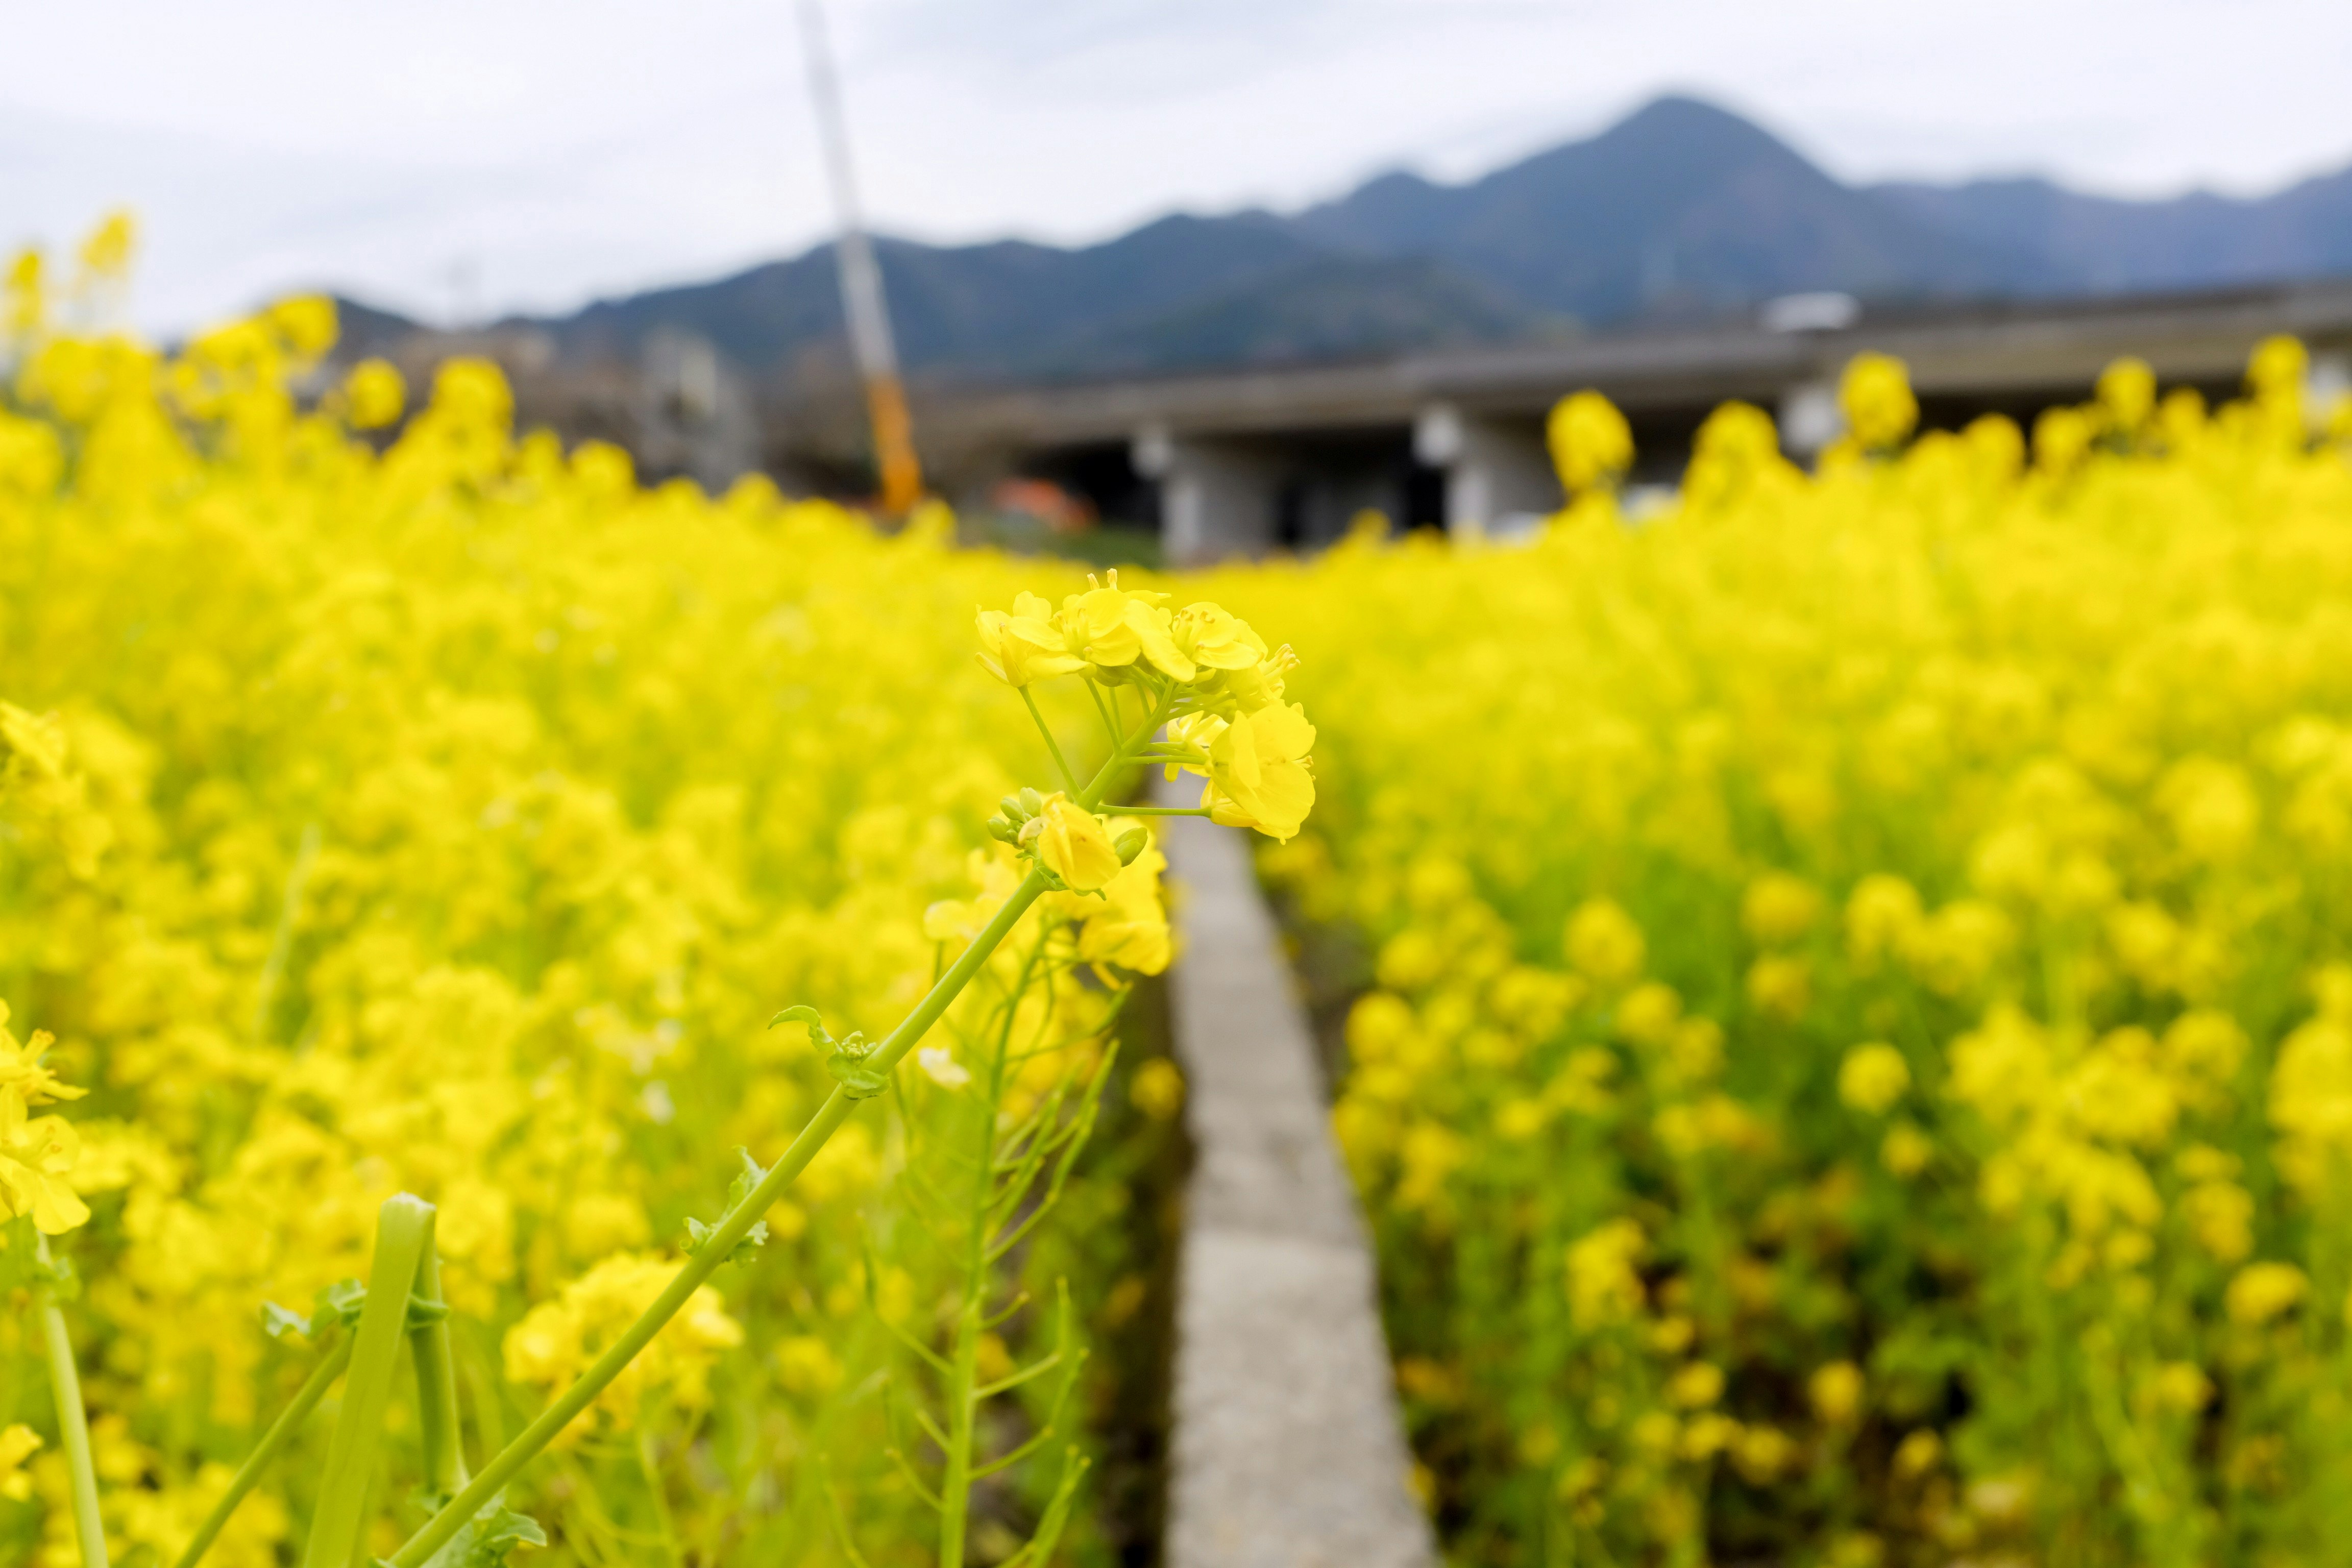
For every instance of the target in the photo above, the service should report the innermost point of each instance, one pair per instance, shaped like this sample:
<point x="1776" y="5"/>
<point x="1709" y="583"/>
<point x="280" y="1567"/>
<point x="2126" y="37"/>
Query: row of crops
<point x="1848" y="1024"/>
<point x="1854" y="1058"/>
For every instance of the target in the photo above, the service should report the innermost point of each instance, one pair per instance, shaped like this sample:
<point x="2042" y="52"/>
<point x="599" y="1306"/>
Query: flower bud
<point x="1130" y="843"/>
<point x="1003" y="830"/>
<point x="1032" y="803"/>
<point x="1014" y="810"/>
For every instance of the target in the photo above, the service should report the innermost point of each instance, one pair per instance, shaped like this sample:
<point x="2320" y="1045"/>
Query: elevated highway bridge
<point x="1246" y="461"/>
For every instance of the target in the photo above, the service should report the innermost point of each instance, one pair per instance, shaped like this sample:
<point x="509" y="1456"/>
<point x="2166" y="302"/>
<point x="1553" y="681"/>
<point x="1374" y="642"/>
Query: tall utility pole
<point x="861" y="282"/>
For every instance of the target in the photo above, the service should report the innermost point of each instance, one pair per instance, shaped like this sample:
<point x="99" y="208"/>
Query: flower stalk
<point x="534" y="1439"/>
<point x="404" y="1234"/>
<point x="73" y="1425"/>
<point x="289" y="1421"/>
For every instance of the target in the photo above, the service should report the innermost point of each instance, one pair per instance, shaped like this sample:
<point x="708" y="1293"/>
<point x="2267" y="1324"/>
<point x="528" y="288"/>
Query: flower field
<point x="448" y="816"/>
<point x="1846" y="985"/>
<point x="1856" y="1057"/>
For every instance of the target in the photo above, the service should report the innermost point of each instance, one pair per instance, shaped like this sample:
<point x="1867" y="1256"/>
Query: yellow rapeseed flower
<point x="1874" y="395"/>
<point x="1073" y="844"/>
<point x="375" y="394"/>
<point x="1592" y="446"/>
<point x="1873" y="1077"/>
<point x="2262" y="1292"/>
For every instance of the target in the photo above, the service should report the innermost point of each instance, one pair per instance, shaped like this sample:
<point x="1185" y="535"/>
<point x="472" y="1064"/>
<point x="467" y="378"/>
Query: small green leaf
<point x="800" y="1012"/>
<point x="851" y="1066"/>
<point x="278" y="1322"/>
<point x="338" y="1303"/>
<point x="749" y="1176"/>
<point x="699" y="1235"/>
<point x="483" y="1541"/>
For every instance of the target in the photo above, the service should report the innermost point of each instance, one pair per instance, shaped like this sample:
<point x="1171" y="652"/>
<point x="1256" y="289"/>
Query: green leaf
<point x="749" y="1176"/>
<point x="483" y="1541"/>
<point x="278" y="1322"/>
<point x="338" y="1303"/>
<point x="699" y="1235"/>
<point x="801" y="1013"/>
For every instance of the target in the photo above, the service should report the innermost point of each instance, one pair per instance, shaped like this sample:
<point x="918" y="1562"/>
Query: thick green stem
<point x="403" y="1231"/>
<point x="306" y="1399"/>
<point x="715" y="1248"/>
<point x="436" y="1385"/>
<point x="73" y="1427"/>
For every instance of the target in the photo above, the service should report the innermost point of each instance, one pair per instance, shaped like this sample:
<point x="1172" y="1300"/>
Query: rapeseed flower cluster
<point x="440" y="811"/>
<point x="1853" y="1053"/>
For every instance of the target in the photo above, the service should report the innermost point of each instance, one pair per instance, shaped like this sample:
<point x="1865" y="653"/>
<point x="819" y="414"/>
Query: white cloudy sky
<point x="467" y="156"/>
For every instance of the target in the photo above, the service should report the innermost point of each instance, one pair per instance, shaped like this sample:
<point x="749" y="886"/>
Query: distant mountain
<point x="2100" y="244"/>
<point x="1681" y="210"/>
<point x="1681" y="204"/>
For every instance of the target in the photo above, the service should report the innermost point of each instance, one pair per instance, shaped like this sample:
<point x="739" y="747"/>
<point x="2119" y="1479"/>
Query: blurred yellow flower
<point x="1873" y="1077"/>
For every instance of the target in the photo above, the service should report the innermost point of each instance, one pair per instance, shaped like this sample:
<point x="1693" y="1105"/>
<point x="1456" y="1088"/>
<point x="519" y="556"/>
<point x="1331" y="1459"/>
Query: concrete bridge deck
<point x="1242" y="461"/>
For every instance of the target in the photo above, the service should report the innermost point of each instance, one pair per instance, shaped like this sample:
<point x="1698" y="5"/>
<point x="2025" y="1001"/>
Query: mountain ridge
<point x="1681" y="210"/>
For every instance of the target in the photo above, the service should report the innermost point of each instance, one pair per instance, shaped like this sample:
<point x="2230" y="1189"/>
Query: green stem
<point x="403" y="1230"/>
<point x="281" y="943"/>
<point x="528" y="1443"/>
<point x="1052" y="745"/>
<point x="651" y="1473"/>
<point x="1102" y="710"/>
<point x="438" y="1433"/>
<point x="534" y="1439"/>
<point x="73" y="1425"/>
<point x="314" y="1388"/>
<point x="963" y="1374"/>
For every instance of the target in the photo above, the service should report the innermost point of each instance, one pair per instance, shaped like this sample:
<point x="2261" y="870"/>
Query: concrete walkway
<point x="1288" y="1448"/>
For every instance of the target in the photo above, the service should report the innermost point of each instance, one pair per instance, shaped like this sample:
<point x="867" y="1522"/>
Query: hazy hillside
<point x="2100" y="244"/>
<point x="1680" y="210"/>
<point x="1681" y="203"/>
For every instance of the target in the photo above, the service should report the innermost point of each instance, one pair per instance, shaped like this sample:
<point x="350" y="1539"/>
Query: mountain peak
<point x="1682" y="208"/>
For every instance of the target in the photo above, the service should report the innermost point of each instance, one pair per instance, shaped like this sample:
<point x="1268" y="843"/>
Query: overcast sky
<point x="463" y="157"/>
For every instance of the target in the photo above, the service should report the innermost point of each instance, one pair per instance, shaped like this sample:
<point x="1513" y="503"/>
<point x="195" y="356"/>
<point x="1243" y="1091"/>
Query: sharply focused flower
<point x="1026" y="645"/>
<point x="1213" y="639"/>
<point x="1073" y="844"/>
<point x="1259" y="774"/>
<point x="1110" y="627"/>
<point x="1128" y="925"/>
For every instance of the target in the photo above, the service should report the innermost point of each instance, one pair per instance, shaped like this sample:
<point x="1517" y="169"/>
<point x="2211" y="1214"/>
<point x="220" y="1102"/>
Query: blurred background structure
<point x="1265" y="358"/>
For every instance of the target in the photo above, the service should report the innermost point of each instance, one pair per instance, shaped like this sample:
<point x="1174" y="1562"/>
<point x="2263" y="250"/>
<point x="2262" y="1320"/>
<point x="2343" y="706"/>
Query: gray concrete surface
<point x="1288" y="1448"/>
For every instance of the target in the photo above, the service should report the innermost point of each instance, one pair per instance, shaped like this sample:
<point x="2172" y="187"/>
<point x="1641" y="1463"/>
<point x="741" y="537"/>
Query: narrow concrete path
<point x="1289" y="1452"/>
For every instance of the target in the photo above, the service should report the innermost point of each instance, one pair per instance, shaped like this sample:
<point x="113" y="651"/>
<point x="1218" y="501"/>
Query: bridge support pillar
<point x="1218" y="499"/>
<point x="1809" y="419"/>
<point x="1494" y="471"/>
